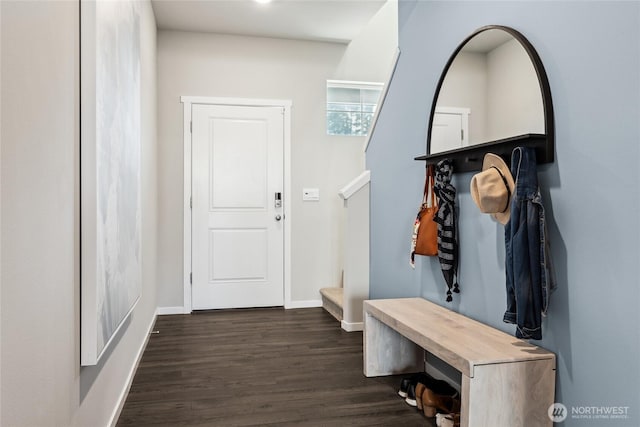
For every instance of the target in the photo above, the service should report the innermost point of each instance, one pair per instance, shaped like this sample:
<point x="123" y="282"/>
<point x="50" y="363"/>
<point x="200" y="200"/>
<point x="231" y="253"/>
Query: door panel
<point x="237" y="255"/>
<point x="446" y="132"/>
<point x="237" y="231"/>
<point x="238" y="155"/>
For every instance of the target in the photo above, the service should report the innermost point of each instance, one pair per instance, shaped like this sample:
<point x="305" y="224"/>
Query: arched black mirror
<point x="493" y="96"/>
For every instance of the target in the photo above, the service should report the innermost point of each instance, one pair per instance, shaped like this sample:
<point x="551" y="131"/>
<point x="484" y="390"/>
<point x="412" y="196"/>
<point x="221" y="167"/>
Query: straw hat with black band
<point x="493" y="188"/>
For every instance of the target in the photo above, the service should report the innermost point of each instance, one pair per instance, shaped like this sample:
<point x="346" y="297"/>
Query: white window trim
<point x="352" y="84"/>
<point x="348" y="84"/>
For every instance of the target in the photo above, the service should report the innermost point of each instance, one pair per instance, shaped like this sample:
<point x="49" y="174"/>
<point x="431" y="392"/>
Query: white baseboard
<point x="304" y="304"/>
<point x="352" y="327"/>
<point x="125" y="391"/>
<point x="163" y="311"/>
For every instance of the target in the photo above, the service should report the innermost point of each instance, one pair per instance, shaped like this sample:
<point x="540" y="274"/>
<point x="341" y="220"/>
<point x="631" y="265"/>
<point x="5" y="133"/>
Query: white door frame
<point x="187" y="102"/>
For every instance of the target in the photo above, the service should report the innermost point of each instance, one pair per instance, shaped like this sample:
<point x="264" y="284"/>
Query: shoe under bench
<point x="506" y="381"/>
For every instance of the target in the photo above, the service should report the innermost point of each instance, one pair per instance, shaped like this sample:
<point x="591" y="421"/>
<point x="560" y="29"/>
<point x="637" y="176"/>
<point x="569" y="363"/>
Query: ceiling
<point x="488" y="40"/>
<point x="319" y="20"/>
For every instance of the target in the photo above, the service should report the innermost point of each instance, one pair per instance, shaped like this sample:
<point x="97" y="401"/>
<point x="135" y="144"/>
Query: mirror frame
<point x="470" y="158"/>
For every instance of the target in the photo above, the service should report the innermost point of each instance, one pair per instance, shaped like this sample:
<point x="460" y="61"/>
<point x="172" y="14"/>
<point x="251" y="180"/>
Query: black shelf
<point x="470" y="158"/>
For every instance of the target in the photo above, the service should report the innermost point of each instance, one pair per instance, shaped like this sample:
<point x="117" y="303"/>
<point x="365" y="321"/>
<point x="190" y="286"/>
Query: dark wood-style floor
<point x="260" y="367"/>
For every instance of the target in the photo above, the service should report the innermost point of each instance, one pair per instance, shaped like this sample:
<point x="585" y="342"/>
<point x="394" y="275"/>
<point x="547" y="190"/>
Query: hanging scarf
<point x="447" y="232"/>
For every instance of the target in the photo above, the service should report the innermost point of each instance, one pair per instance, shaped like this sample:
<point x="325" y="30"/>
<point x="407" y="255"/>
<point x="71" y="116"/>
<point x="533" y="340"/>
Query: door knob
<point x="278" y="217"/>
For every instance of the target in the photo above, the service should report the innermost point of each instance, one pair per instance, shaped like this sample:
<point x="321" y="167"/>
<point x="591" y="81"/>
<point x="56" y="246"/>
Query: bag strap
<point x="426" y="186"/>
<point x="429" y="196"/>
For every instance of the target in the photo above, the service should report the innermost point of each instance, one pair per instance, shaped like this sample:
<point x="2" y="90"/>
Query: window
<point x="351" y="106"/>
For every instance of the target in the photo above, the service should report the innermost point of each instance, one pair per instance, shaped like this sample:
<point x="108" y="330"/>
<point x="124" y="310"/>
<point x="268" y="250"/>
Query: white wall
<point x="42" y="382"/>
<point x="466" y="87"/>
<point x="514" y="100"/>
<point x="369" y="56"/>
<point x="248" y="67"/>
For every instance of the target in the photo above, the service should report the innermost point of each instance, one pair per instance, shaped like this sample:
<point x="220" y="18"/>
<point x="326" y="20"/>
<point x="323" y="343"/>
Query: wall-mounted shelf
<point x="470" y="158"/>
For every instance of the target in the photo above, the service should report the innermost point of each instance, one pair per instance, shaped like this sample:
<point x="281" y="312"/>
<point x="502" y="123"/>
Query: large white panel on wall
<point x="110" y="171"/>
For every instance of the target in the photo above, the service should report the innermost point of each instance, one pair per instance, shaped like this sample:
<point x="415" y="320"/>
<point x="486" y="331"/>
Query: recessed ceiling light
<point x="263" y="1"/>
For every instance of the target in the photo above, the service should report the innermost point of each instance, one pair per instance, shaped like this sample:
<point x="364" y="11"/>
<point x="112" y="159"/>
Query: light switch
<point x="311" y="194"/>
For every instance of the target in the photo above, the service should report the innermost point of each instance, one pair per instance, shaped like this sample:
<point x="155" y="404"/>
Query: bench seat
<point x="506" y="381"/>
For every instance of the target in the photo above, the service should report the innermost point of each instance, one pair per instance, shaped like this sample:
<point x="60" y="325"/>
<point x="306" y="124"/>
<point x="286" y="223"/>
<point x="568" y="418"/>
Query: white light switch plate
<point x="311" y="194"/>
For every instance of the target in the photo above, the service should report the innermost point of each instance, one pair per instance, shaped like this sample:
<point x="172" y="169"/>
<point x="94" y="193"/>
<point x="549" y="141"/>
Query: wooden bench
<point x="506" y="381"/>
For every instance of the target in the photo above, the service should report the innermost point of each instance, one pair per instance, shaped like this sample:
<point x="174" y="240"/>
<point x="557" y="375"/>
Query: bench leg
<point x="386" y="352"/>
<point x="509" y="395"/>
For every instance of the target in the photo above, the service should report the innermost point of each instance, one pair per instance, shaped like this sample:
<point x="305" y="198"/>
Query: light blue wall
<point x="591" y="52"/>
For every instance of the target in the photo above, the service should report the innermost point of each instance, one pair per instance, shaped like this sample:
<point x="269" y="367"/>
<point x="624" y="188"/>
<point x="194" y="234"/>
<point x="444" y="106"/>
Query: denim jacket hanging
<point x="529" y="271"/>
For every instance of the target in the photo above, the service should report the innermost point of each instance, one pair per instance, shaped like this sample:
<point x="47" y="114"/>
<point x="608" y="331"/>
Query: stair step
<point x="332" y="301"/>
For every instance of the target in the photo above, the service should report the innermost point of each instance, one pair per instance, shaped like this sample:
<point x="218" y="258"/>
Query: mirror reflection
<point x="490" y="92"/>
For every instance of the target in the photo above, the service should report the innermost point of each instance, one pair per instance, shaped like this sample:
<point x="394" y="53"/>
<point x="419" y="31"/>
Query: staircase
<point x="345" y="303"/>
<point x="332" y="300"/>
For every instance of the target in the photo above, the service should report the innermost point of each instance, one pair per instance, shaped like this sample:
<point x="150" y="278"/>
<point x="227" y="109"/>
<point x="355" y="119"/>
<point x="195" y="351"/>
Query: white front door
<point x="450" y="129"/>
<point x="237" y="221"/>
